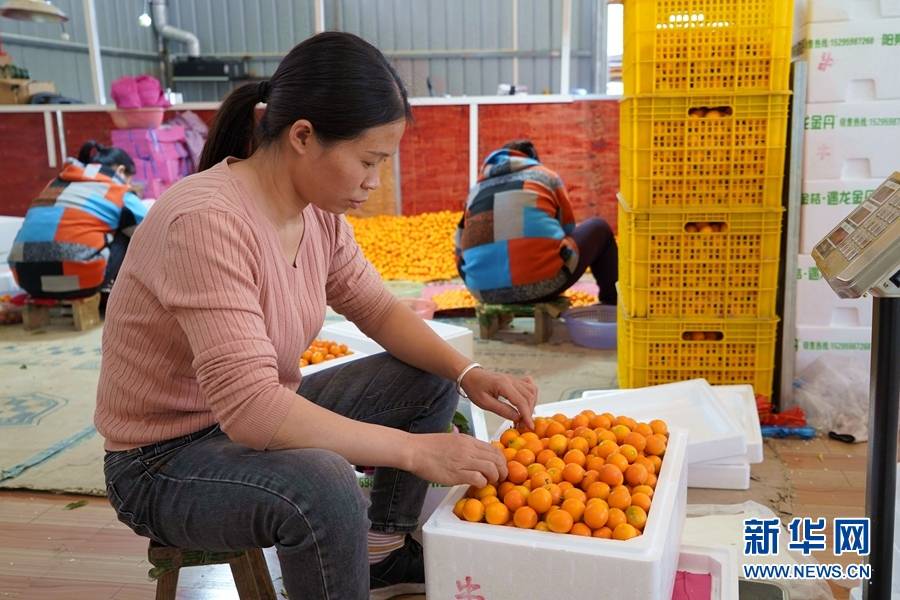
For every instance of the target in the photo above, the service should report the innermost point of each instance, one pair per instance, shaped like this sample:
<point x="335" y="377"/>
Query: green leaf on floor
<point x="76" y="504"/>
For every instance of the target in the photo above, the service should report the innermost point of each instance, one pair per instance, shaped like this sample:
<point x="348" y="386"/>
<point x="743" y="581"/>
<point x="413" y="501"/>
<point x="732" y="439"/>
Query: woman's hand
<point x="454" y="458"/>
<point x="512" y="398"/>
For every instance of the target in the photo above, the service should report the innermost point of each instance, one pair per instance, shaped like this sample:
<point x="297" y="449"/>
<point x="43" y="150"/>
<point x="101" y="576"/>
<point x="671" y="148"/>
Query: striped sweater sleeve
<point x="210" y="283"/>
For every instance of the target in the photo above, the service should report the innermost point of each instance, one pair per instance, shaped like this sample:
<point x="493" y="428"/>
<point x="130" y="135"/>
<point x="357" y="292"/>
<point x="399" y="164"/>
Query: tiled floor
<point x="50" y="553"/>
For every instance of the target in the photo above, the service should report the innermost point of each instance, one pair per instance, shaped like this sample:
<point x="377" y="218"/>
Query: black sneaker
<point x="402" y="572"/>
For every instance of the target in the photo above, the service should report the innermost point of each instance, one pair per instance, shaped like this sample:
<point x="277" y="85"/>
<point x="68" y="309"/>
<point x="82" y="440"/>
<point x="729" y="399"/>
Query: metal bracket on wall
<point x="62" y="135"/>
<point x="51" y="141"/>
<point x="791" y="246"/>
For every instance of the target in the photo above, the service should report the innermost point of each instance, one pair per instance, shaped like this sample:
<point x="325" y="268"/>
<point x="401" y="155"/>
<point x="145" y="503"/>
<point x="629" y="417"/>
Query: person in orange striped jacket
<point x="518" y="241"/>
<point x="76" y="232"/>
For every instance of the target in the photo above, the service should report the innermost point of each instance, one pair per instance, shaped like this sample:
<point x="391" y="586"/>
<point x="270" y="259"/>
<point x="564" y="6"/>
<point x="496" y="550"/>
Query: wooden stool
<point x="85" y="311"/>
<point x="497" y="317"/>
<point x="248" y="567"/>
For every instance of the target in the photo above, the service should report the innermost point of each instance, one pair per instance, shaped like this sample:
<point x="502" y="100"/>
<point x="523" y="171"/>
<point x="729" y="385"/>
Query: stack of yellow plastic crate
<point x="702" y="140"/>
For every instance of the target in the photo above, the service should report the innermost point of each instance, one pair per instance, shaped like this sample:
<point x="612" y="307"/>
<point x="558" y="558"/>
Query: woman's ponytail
<point x="232" y="130"/>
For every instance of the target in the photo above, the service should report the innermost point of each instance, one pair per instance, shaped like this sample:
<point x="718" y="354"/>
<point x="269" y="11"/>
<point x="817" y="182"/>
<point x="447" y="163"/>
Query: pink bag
<point x="138" y="92"/>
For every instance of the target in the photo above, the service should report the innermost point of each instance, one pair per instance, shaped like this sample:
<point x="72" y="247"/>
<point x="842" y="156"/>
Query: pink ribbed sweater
<point x="208" y="319"/>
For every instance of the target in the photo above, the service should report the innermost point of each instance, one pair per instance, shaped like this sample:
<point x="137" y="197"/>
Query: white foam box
<point x="819" y="11"/>
<point x="718" y="561"/>
<point x="851" y="140"/>
<point x="348" y="333"/>
<point x="727" y="472"/>
<point x="506" y="562"/>
<point x="813" y="342"/>
<point x="818" y="304"/>
<point x="847" y="60"/>
<point x="825" y="203"/>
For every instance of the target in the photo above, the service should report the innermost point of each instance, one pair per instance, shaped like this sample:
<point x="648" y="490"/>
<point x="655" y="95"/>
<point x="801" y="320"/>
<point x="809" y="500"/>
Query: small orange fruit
<point x="507" y="436"/>
<point x="534" y="468"/>
<point x="544" y="455"/>
<point x="601" y="422"/>
<point x="555" y="474"/>
<point x="636" y="517"/>
<point x="488" y="490"/>
<point x="620" y="431"/>
<point x="489" y="500"/>
<point x="579" y="443"/>
<point x="596" y="515"/>
<point x="606" y="447"/>
<point x="575" y="457"/>
<point x="565" y="486"/>
<point x="496" y="513"/>
<point x="643" y="489"/>
<point x="534" y="445"/>
<point x="589" y="478"/>
<point x="644" y="429"/>
<point x="611" y="475"/>
<point x="540" y="480"/>
<point x="514" y="500"/>
<point x="540" y="426"/>
<point x="641" y="500"/>
<point x="616" y="517"/>
<point x="637" y="440"/>
<point x="573" y="506"/>
<point x="504" y="488"/>
<point x="517" y="443"/>
<point x="657" y="463"/>
<point x="573" y="473"/>
<point x="581" y="529"/>
<point x="509" y="454"/>
<point x="624" y="532"/>
<point x="555" y="493"/>
<point x="619" y="498"/>
<point x="629" y="452"/>
<point x="517" y="472"/>
<point x="598" y="489"/>
<point x="605" y="434"/>
<point x="594" y="463"/>
<point x="646" y="463"/>
<point x="458" y="507"/>
<point x="540" y="500"/>
<point x="651" y="481"/>
<point x="656" y="445"/>
<point x="473" y="510"/>
<point x="580" y="420"/>
<point x="658" y="426"/>
<point x="525" y="518"/>
<point x="560" y="521"/>
<point x="554" y="427"/>
<point x="558" y="443"/>
<point x="636" y="474"/>
<point x="617" y="460"/>
<point x="525" y="456"/>
<point x="541" y="526"/>
<point x="556" y="463"/>
<point x="590" y="435"/>
<point x="575" y="493"/>
<point x="603" y="532"/>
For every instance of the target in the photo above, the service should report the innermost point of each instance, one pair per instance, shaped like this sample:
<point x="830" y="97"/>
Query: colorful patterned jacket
<point x="65" y="230"/>
<point x="513" y="243"/>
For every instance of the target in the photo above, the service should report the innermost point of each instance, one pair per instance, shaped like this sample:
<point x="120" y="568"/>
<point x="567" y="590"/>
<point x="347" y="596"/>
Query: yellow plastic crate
<point x="703" y="46"/>
<point x="699" y="264"/>
<point x="703" y="152"/>
<point x="651" y="352"/>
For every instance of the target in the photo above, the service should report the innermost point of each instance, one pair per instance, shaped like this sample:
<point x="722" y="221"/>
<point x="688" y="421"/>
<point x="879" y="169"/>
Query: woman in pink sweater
<point x="212" y="439"/>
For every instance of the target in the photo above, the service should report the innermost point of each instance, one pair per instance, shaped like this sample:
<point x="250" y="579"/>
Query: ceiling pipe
<point x="159" y="11"/>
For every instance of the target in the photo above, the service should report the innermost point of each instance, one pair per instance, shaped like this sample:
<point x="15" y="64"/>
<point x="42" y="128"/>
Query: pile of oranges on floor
<point x="414" y="248"/>
<point x="590" y="475"/>
<point x="464" y="299"/>
<point x="322" y="350"/>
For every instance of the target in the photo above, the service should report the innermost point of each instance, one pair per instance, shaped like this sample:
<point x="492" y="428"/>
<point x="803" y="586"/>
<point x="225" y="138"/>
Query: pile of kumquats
<point x="590" y="475"/>
<point x="322" y="350"/>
